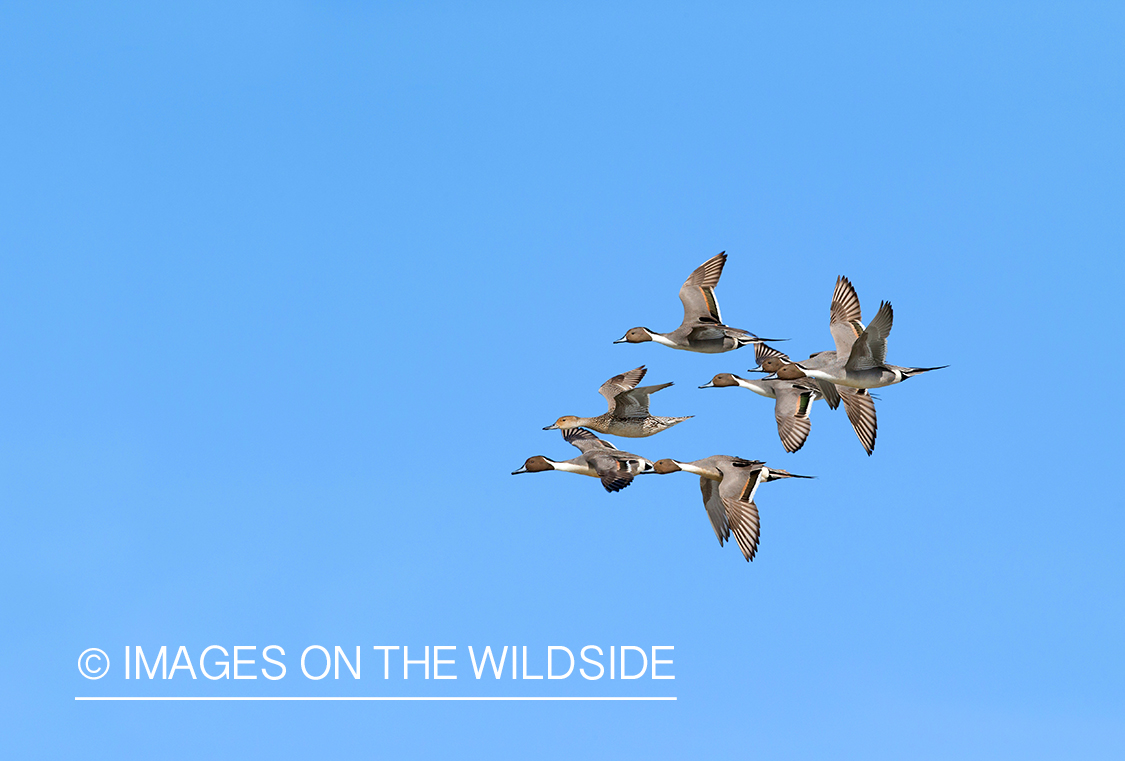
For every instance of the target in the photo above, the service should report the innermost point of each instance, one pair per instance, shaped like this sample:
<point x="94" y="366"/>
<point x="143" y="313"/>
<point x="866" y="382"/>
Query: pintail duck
<point x="860" y="357"/>
<point x="628" y="409"/>
<point x="599" y="459"/>
<point x="792" y="407"/>
<point x="858" y="403"/>
<point x="702" y="329"/>
<point x="730" y="501"/>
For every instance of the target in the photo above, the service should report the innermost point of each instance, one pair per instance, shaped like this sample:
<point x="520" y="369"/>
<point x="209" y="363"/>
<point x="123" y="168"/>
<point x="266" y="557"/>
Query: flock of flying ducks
<point x="729" y="484"/>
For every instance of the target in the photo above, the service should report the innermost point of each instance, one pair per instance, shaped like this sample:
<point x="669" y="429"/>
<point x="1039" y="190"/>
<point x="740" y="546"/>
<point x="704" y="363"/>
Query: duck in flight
<point x="858" y="403"/>
<point x="628" y="409"/>
<point x="793" y="403"/>
<point x="860" y="359"/>
<point x="702" y="329"/>
<point x="728" y="485"/>
<point x="599" y="459"/>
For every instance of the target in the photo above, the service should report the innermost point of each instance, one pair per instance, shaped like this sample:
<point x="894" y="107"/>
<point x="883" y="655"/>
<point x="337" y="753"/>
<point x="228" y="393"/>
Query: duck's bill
<point x="550" y="427"/>
<point x="620" y="340"/>
<point x="708" y="385"/>
<point x="757" y="369"/>
<point x="521" y="470"/>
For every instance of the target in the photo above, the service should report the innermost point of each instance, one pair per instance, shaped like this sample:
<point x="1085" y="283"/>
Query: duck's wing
<point x="698" y="292"/>
<point x="829" y="391"/>
<point x="860" y="406"/>
<point x="584" y="440"/>
<point x="716" y="513"/>
<point x="619" y="383"/>
<point x="819" y="361"/>
<point x="845" y="318"/>
<point x="616" y="472"/>
<point x="870" y="349"/>
<point x="792" y="408"/>
<point x="710" y="332"/>
<point x="737" y="493"/>
<point x="631" y="404"/>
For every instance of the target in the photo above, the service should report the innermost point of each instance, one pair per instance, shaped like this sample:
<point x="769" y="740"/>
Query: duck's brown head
<point x="721" y="380"/>
<point x="665" y="466"/>
<point x="635" y="336"/>
<point x="535" y="464"/>
<point x="790" y="372"/>
<point x="772" y="364"/>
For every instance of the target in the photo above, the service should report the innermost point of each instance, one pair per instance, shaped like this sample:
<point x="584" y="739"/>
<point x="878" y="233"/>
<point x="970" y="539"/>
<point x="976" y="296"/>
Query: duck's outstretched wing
<point x="860" y="406"/>
<point x="792" y="408"/>
<point x="845" y="318"/>
<point x="584" y="440"/>
<point x="716" y="513"/>
<point x="616" y="472"/>
<point x="870" y="349"/>
<point x="737" y="492"/>
<point x="619" y="383"/>
<point x="634" y="403"/>
<point x="698" y="292"/>
<point x="745" y="525"/>
<point x="829" y="391"/>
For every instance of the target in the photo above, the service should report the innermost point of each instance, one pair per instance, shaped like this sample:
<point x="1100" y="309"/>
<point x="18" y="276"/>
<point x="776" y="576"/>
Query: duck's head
<point x="791" y="371"/>
<point x="721" y="380"/>
<point x="770" y="365"/>
<point x="535" y="464"/>
<point x="665" y="466"/>
<point x="780" y="368"/>
<point x="635" y="336"/>
<point x="563" y="423"/>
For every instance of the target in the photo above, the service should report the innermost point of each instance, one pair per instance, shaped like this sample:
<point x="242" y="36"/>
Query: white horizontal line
<point x="371" y="698"/>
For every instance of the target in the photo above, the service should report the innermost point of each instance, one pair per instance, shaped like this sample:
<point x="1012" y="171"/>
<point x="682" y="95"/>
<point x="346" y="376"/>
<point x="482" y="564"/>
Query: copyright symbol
<point x="93" y="663"/>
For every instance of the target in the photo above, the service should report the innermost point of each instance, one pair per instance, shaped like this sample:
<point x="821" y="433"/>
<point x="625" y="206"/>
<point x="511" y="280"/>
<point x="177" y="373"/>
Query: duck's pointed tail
<point x="750" y="338"/>
<point x="776" y="473"/>
<point x="910" y="372"/>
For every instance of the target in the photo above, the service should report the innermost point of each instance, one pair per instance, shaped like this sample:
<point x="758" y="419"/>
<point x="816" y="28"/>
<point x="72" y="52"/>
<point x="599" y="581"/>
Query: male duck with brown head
<point x="599" y="459"/>
<point x="792" y="406"/>
<point x="861" y="351"/>
<point x="729" y="485"/>
<point x="702" y="329"/>
<point x="858" y="403"/>
<point x="628" y="409"/>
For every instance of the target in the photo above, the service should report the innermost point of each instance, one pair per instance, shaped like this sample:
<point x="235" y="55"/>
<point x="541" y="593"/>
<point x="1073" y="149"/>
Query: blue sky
<point x="288" y="290"/>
